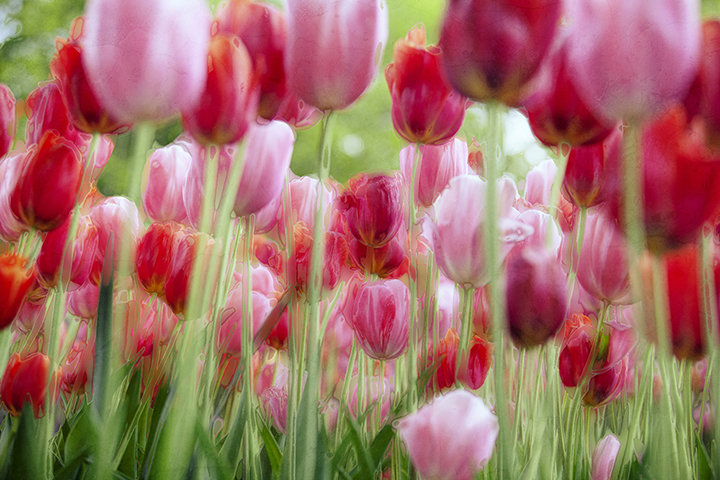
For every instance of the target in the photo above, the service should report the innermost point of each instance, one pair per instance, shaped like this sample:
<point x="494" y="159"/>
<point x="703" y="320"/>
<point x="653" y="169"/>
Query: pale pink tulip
<point x="451" y="439"/>
<point x="333" y="49"/>
<point x="146" y="59"/>
<point x="10" y="226"/>
<point x="117" y="216"/>
<point x="166" y="170"/>
<point x="603" y="458"/>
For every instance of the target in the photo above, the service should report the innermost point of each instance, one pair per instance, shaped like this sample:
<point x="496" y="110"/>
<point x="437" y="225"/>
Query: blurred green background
<point x="363" y="139"/>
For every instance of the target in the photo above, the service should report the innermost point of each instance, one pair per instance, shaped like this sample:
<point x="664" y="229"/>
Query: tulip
<point x="10" y="226"/>
<point x="45" y="110"/>
<point x="425" y="108"/>
<point x="154" y="255"/>
<point x="577" y="346"/>
<point x="26" y="380"/>
<point x="335" y="258"/>
<point x="7" y="119"/>
<point x="536" y="296"/>
<point x="229" y="337"/>
<point x="78" y="259"/>
<point x="162" y="196"/>
<point x="492" y="48"/>
<point x="261" y="28"/>
<point x="79" y="363"/>
<point x="380" y="318"/>
<point x="48" y="184"/>
<point x="268" y="152"/>
<point x="146" y="60"/>
<point x="475" y="367"/>
<point x="452" y="438"/>
<point x="603" y="268"/>
<point x="273" y="402"/>
<point x="384" y="261"/>
<point x="608" y="375"/>
<point x="629" y="61"/>
<point x="556" y="112"/>
<point x="296" y="113"/>
<point x="373" y="208"/>
<point x="438" y="164"/>
<point x="228" y="103"/>
<point x="458" y="232"/>
<point x="333" y="49"/>
<point x="603" y="458"/>
<point x="83" y="302"/>
<point x="15" y="282"/>
<point x="586" y="165"/>
<point x="120" y="217"/>
<point x="703" y="98"/>
<point x="83" y="107"/>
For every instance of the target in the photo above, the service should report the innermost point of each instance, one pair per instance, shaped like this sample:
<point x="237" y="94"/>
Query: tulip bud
<point x="261" y="28"/>
<point x="120" y="217"/>
<point x="438" y="164"/>
<point x="536" y="296"/>
<point x="333" y="49"/>
<point x="492" y="48"/>
<point x="7" y="119"/>
<point x="15" y="282"/>
<point x="26" y="380"/>
<point x="575" y="354"/>
<point x="83" y="108"/>
<point x="48" y="185"/>
<point x="83" y="302"/>
<point x="373" y="208"/>
<point x="146" y="60"/>
<point x="585" y="171"/>
<point x="603" y="458"/>
<point x="475" y="365"/>
<point x="154" y="256"/>
<point x="162" y="196"/>
<point x="451" y="439"/>
<point x="425" y="108"/>
<point x="228" y="103"/>
<point x="380" y="318"/>
<point x="273" y="402"/>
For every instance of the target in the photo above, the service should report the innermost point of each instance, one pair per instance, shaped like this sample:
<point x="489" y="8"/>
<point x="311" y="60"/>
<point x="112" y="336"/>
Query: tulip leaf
<point x="271" y="447"/>
<point x="103" y="336"/>
<point x="380" y="443"/>
<point x="218" y="466"/>
<point x="159" y="416"/>
<point x="705" y="470"/>
<point x="364" y="457"/>
<point x="233" y="443"/>
<point x="26" y="459"/>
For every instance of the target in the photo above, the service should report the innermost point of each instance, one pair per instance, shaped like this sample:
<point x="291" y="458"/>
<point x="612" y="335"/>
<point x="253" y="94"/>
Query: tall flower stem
<point x="497" y="302"/>
<point x="412" y="373"/>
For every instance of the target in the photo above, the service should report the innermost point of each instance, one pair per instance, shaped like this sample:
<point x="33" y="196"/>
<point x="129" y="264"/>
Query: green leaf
<point x="103" y="336"/>
<point x="364" y="457"/>
<point x="218" y="466"/>
<point x="159" y="417"/>
<point x="233" y="443"/>
<point x="380" y="443"/>
<point x="26" y="458"/>
<point x="705" y="470"/>
<point x="271" y="447"/>
<point x="82" y="434"/>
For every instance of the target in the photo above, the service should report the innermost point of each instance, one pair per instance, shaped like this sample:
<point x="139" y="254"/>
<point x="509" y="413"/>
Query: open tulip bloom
<point x="250" y="241"/>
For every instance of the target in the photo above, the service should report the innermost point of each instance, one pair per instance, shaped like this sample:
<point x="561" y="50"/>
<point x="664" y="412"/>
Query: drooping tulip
<point x="629" y="61"/>
<point x="15" y="282"/>
<point x="380" y="318"/>
<point x="438" y="164"/>
<point x="333" y="49"/>
<point x="7" y="119"/>
<point x="146" y="60"/>
<point x="228" y="103"/>
<point x="83" y="107"/>
<point x="451" y="439"/>
<point x="48" y="184"/>
<point x="373" y="208"/>
<point x="261" y="28"/>
<point x="492" y="48"/>
<point x="425" y="108"/>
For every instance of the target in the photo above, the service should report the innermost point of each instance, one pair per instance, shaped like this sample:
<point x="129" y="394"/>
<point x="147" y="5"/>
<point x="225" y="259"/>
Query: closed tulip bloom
<point x="603" y="458"/>
<point x="425" y="108"/>
<point x="48" y="184"/>
<point x="451" y="439"/>
<point x="268" y="153"/>
<point x="228" y="103"/>
<point x="83" y="302"/>
<point x="536" y="296"/>
<point x="78" y="259"/>
<point x="438" y="164"/>
<point x="10" y="226"/>
<point x="458" y="235"/>
<point x="492" y="48"/>
<point x="26" y="380"/>
<point x="474" y="366"/>
<point x="7" y="119"/>
<point x="45" y="110"/>
<point x="15" y="282"/>
<point x="154" y="255"/>
<point x="586" y="166"/>
<point x="162" y="197"/>
<point x="333" y="49"/>
<point x="556" y="112"/>
<point x="230" y="331"/>
<point x="603" y="268"/>
<point x="120" y="217"/>
<point x="380" y="318"/>
<point x="575" y="353"/>
<point x="83" y="107"/>
<point x="703" y="98"/>
<point x="146" y="60"/>
<point x="261" y="27"/>
<point x="629" y="61"/>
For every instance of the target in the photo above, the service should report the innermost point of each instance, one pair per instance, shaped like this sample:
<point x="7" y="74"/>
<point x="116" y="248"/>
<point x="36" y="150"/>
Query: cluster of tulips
<point x="442" y="320"/>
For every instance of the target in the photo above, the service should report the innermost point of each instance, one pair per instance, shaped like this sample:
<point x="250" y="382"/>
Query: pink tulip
<point x="627" y="60"/>
<point x="333" y="49"/>
<point x="229" y="339"/>
<point x="10" y="226"/>
<point x="268" y="152"/>
<point x="83" y="302"/>
<point x="380" y="318"/>
<point x="603" y="458"/>
<point x="451" y="439"/>
<point x="458" y="235"/>
<point x="438" y="164"/>
<point x="162" y="196"/>
<point x="78" y="259"/>
<point x="603" y="269"/>
<point x="119" y="216"/>
<point x="146" y="59"/>
<point x="7" y="119"/>
<point x="273" y="402"/>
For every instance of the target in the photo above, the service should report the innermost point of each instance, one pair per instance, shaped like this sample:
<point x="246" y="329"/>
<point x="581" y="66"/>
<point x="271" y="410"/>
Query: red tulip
<point x="574" y="360"/>
<point x="703" y="98"/>
<point x="15" y="283"/>
<point x="586" y="165"/>
<point x="45" y="110"/>
<point x="155" y="252"/>
<point x="425" y="108"/>
<point x="26" y="380"/>
<point x="79" y="257"/>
